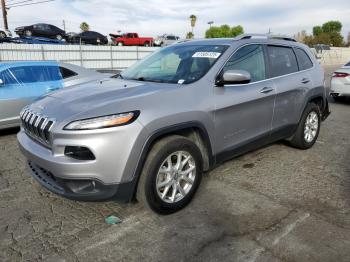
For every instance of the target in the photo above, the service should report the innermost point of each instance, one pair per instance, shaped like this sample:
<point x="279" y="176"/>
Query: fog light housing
<point x="79" y="153"/>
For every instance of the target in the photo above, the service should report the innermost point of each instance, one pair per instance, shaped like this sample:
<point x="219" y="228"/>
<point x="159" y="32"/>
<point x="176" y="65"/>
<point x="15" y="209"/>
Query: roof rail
<point x="264" y="36"/>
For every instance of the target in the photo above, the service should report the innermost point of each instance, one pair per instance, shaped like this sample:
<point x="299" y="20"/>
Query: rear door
<point x="291" y="87"/>
<point x="244" y="112"/>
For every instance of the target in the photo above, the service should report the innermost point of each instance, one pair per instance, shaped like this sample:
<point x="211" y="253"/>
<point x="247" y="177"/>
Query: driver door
<point x="243" y="112"/>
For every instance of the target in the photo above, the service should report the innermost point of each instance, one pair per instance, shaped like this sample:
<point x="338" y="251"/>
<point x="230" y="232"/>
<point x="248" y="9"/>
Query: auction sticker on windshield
<point x="207" y="54"/>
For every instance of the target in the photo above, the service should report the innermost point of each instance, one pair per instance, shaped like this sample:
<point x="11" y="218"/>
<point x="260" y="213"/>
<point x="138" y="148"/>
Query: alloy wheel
<point x="176" y="176"/>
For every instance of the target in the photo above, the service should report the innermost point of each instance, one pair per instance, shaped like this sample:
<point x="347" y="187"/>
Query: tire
<point x="158" y="157"/>
<point x="146" y="44"/>
<point x="301" y="139"/>
<point x="2" y="35"/>
<point x="120" y="44"/>
<point x="59" y="37"/>
<point x="28" y="33"/>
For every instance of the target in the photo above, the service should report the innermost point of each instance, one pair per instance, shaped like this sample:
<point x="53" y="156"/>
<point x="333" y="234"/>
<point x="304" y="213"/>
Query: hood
<point x="96" y="98"/>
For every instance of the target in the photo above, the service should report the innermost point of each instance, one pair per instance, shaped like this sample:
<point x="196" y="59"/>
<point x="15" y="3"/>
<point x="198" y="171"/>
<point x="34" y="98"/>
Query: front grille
<point x="37" y="126"/>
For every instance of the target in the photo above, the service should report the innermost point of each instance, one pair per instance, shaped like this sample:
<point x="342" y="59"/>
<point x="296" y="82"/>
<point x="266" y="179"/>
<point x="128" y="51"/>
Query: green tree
<point x="189" y="35"/>
<point x="223" y="31"/>
<point x="332" y="26"/>
<point x="84" y="27"/>
<point x="317" y="30"/>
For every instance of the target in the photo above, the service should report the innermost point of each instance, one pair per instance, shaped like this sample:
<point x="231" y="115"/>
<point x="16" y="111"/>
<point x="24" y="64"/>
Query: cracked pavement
<point x="273" y="204"/>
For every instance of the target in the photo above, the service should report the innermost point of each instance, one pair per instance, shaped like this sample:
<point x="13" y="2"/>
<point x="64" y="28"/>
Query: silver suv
<point x="153" y="131"/>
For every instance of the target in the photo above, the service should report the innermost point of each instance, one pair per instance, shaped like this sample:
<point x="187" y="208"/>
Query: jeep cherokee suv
<point x="153" y="131"/>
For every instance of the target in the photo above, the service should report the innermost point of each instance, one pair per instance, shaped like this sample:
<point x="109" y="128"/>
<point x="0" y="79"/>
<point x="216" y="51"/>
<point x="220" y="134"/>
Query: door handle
<point x="266" y="90"/>
<point x="52" y="88"/>
<point x="305" y="80"/>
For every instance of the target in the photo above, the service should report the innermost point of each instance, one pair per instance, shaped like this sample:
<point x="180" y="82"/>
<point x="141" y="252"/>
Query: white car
<point x="165" y="40"/>
<point x="340" y="82"/>
<point x="5" y="33"/>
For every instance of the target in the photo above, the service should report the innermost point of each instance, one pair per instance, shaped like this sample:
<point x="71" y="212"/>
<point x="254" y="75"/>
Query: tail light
<point x="340" y="74"/>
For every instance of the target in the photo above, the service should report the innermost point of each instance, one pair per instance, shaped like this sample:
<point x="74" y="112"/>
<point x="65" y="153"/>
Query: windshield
<point x="176" y="64"/>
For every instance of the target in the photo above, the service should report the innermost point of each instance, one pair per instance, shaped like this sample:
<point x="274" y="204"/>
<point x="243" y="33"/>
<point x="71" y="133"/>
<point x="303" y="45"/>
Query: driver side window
<point x="251" y="59"/>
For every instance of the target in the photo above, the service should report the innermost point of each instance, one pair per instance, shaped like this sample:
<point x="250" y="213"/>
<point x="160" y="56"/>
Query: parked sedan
<point x="340" y="83"/>
<point x="23" y="82"/>
<point x="42" y="30"/>
<point x="88" y="37"/>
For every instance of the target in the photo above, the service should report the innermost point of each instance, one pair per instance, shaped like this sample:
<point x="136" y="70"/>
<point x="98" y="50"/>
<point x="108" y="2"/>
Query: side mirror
<point x="1" y="82"/>
<point x="234" y="77"/>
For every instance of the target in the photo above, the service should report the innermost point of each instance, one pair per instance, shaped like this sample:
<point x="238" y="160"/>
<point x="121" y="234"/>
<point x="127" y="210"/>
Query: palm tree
<point x="84" y="27"/>
<point x="189" y="35"/>
<point x="193" y="19"/>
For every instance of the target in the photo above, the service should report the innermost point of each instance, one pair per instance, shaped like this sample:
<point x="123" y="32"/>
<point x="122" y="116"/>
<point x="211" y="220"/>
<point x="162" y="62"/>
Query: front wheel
<point x="308" y="128"/>
<point x="59" y="37"/>
<point x="120" y="44"/>
<point x="171" y="175"/>
<point x="2" y="35"/>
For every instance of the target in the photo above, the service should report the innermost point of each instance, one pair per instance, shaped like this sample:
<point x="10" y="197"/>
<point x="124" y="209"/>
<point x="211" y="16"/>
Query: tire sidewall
<point x="309" y="109"/>
<point x="154" y="201"/>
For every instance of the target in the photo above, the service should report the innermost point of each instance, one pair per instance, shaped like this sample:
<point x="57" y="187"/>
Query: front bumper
<point x="109" y="175"/>
<point x="82" y="190"/>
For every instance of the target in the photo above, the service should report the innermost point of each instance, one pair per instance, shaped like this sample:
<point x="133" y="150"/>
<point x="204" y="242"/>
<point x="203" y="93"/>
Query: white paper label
<point x="207" y="54"/>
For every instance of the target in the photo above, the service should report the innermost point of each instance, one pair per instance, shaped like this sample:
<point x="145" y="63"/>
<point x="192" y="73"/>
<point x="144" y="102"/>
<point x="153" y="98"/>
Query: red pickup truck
<point x="131" y="39"/>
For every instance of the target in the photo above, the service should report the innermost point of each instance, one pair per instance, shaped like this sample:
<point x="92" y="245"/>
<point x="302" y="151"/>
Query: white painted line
<point x="289" y="228"/>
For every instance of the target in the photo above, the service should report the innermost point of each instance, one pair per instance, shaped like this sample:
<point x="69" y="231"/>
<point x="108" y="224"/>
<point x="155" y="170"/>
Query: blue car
<point x="25" y="81"/>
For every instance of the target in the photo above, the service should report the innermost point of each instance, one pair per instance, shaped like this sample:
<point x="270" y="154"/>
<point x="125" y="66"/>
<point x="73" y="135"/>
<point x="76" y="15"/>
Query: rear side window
<point x="249" y="58"/>
<point x="303" y="59"/>
<point x="282" y="60"/>
<point x="32" y="74"/>
<point x="7" y="78"/>
<point x="66" y="73"/>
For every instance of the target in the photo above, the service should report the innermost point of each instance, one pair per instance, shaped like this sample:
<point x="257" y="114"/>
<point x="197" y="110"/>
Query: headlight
<point x="103" y="121"/>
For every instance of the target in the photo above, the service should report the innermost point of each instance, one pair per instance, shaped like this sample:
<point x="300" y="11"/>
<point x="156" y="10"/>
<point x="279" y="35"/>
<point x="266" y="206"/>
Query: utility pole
<point x="64" y="25"/>
<point x="4" y="14"/>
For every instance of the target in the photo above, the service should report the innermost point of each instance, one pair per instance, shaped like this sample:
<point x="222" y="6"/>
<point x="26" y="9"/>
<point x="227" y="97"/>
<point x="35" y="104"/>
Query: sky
<point x="156" y="17"/>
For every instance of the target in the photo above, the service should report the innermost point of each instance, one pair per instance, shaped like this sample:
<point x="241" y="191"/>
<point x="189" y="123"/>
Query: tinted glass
<point x="65" y="72"/>
<point x="7" y="78"/>
<point x="282" y="60"/>
<point x="348" y="64"/>
<point x="171" y="37"/>
<point x="32" y="74"/>
<point x="249" y="58"/>
<point x="303" y="59"/>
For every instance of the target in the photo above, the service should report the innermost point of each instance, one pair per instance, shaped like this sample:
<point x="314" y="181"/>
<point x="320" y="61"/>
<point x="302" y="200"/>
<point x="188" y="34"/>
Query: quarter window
<point x="282" y="60"/>
<point x="303" y="59"/>
<point x="66" y="73"/>
<point x="249" y="58"/>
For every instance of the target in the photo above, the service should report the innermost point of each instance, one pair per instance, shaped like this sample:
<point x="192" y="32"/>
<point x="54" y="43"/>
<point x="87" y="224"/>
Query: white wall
<point x="96" y="57"/>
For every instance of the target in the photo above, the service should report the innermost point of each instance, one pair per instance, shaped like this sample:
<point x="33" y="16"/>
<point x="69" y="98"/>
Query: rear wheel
<point x="171" y="175"/>
<point x="28" y="33"/>
<point x="308" y="128"/>
<point x="146" y="44"/>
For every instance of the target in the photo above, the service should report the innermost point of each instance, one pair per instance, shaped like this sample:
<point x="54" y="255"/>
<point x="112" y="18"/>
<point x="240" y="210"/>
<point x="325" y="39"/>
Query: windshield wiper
<point x="119" y="75"/>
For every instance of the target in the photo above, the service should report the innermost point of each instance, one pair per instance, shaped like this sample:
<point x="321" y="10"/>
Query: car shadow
<point x="9" y="131"/>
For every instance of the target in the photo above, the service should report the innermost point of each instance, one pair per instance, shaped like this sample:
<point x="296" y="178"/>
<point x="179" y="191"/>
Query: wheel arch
<point x="192" y="130"/>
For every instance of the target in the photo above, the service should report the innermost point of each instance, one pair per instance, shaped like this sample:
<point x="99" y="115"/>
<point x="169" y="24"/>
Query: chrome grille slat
<point x="37" y="126"/>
